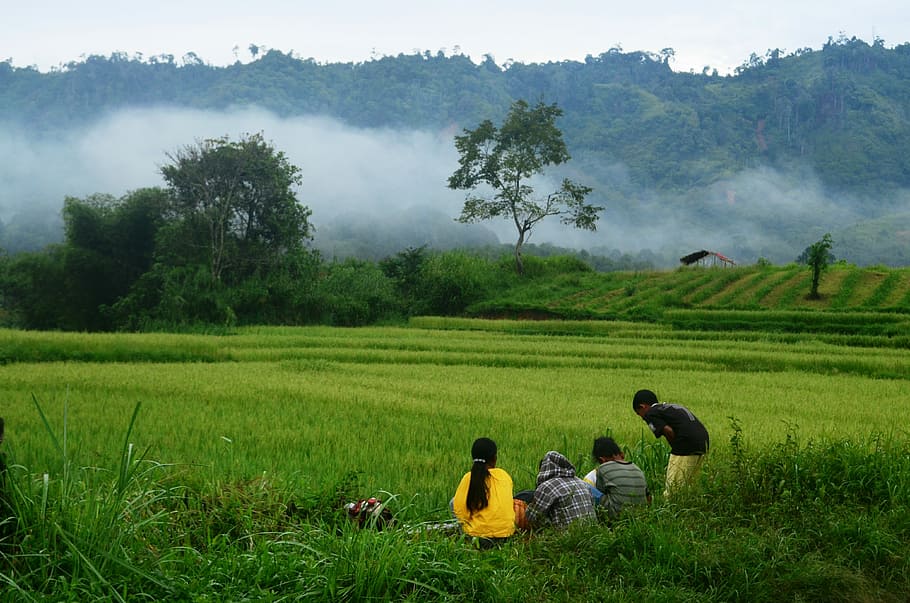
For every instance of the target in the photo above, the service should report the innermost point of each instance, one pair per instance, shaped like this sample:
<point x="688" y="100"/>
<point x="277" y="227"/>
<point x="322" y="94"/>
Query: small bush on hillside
<point x="560" y="264"/>
<point x="536" y="266"/>
<point x="355" y="293"/>
<point x="451" y="281"/>
<point x="403" y="269"/>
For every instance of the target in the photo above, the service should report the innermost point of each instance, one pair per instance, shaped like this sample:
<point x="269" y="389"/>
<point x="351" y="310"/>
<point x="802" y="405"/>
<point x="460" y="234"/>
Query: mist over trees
<point x="754" y="165"/>
<point x="778" y="108"/>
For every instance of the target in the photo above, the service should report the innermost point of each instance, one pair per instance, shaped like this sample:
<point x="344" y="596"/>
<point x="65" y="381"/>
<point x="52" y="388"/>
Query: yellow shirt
<point x="497" y="519"/>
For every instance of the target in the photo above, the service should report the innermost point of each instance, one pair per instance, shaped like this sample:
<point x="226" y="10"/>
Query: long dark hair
<point x="484" y="453"/>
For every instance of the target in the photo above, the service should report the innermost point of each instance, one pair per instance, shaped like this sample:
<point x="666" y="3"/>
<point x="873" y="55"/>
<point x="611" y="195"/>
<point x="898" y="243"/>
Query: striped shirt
<point x="622" y="483"/>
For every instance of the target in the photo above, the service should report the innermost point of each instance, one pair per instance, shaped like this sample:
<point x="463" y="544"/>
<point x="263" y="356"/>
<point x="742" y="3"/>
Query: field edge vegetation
<point x="813" y="520"/>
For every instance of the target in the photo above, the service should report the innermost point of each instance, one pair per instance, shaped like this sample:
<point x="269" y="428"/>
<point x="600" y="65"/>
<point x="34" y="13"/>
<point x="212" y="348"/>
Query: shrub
<point x="451" y="281"/>
<point x="554" y="265"/>
<point x="173" y="296"/>
<point x="355" y="293"/>
<point x="32" y="290"/>
<point x="282" y="294"/>
<point x="404" y="270"/>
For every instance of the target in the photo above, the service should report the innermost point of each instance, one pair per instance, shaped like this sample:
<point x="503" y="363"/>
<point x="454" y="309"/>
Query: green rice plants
<point x="632" y="285"/>
<point x="269" y="430"/>
<point x="749" y="280"/>
<point x="904" y="303"/>
<point x="791" y="321"/>
<point x="41" y="346"/>
<point x="883" y="291"/>
<point x="643" y="288"/>
<point x="728" y="278"/>
<point x="772" y="284"/>
<point x="846" y="291"/>
<point x="787" y="297"/>
<point x="696" y="280"/>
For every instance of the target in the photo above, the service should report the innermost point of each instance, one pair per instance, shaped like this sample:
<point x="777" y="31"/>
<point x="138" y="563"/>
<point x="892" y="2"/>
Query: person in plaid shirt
<point x="560" y="497"/>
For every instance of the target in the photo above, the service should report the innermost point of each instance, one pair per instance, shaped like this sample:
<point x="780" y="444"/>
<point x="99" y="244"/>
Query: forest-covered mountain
<point x="757" y="164"/>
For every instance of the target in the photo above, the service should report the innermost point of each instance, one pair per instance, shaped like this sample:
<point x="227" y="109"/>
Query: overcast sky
<point x="716" y="33"/>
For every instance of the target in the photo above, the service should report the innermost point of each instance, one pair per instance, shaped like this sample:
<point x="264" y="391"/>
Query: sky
<point x="713" y="33"/>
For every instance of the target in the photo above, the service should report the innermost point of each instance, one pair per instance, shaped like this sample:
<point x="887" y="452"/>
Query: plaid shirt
<point x="560" y="497"/>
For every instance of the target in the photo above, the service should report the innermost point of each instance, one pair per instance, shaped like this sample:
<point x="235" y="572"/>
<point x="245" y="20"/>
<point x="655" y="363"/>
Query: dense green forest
<point x="226" y="242"/>
<point x="757" y="165"/>
<point x="841" y="110"/>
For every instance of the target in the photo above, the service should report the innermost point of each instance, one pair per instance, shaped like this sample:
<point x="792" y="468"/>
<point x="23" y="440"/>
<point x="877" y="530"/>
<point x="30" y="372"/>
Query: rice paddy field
<point x="402" y="405"/>
<point x="297" y="415"/>
<point x="882" y="294"/>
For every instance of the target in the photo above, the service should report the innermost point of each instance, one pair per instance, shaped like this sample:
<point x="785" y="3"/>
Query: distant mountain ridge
<point x="843" y="110"/>
<point x="645" y="137"/>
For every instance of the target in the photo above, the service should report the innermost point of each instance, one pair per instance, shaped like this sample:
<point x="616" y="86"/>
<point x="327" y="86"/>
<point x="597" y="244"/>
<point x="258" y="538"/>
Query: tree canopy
<point x="505" y="159"/>
<point x="234" y="204"/>
<point x="841" y="110"/>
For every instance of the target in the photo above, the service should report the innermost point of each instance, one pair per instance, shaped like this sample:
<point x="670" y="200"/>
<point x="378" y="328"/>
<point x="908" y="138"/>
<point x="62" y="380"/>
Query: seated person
<point x="483" y="501"/>
<point x="560" y="497"/>
<point x="621" y="482"/>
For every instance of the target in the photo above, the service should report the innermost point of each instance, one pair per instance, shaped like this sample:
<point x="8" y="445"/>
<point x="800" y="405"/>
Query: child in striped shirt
<point x="620" y="481"/>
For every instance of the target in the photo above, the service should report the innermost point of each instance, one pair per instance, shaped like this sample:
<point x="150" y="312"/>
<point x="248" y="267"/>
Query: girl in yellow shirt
<point x="483" y="501"/>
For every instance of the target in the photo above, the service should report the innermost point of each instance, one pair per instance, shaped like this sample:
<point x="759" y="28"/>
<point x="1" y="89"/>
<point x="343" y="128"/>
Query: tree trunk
<point x="816" y="276"/>
<point x="519" y="265"/>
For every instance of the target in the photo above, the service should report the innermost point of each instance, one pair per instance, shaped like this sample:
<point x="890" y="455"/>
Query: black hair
<point x="483" y="452"/>
<point x="642" y="397"/>
<point x="605" y="447"/>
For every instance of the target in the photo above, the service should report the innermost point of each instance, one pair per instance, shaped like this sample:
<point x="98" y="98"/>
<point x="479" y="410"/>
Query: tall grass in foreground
<point x="814" y="520"/>
<point x="80" y="532"/>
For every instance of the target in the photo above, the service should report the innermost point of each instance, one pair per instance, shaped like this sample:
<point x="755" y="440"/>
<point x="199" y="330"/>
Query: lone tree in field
<point x="505" y="159"/>
<point x="818" y="256"/>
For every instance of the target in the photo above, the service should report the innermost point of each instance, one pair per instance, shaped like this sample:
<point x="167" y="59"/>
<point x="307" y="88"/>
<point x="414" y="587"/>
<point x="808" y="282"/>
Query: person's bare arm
<point x="668" y="433"/>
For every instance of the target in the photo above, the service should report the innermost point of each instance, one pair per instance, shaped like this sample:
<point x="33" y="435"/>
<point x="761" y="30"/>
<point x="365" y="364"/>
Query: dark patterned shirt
<point x="560" y="497"/>
<point x="690" y="436"/>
